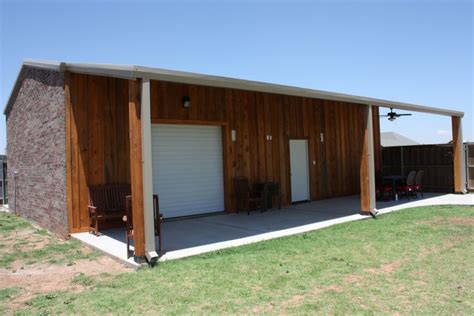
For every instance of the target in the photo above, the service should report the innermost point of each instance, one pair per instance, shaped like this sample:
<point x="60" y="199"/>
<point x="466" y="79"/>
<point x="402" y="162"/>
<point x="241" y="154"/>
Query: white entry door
<point x="187" y="169"/>
<point x="299" y="170"/>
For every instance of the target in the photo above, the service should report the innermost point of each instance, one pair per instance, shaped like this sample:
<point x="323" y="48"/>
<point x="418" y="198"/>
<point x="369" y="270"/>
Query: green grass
<point x="413" y="261"/>
<point x="83" y="280"/>
<point x="21" y="248"/>
<point x="5" y="295"/>
<point x="10" y="222"/>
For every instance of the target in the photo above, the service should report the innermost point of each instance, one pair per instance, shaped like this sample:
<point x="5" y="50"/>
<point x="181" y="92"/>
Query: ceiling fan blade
<point x="404" y="114"/>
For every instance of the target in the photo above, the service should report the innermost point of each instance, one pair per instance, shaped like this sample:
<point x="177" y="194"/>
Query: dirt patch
<point x="53" y="264"/>
<point x="353" y="278"/>
<point x="41" y="279"/>
<point x="463" y="221"/>
<point x="296" y="299"/>
<point x="23" y="240"/>
<point x="385" y="268"/>
<point x="458" y="221"/>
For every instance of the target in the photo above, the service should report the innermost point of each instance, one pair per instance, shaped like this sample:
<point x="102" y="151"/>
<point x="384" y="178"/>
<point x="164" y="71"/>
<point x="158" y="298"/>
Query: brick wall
<point x="36" y="149"/>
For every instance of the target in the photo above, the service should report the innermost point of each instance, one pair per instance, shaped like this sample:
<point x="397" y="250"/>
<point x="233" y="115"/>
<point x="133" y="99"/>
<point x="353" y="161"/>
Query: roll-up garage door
<point x="187" y="169"/>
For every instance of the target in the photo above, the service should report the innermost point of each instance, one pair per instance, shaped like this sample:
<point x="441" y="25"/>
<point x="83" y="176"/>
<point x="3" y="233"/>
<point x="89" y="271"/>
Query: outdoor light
<point x="186" y="102"/>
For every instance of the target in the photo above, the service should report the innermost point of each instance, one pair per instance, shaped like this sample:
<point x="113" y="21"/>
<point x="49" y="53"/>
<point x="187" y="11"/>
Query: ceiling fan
<point x="393" y="115"/>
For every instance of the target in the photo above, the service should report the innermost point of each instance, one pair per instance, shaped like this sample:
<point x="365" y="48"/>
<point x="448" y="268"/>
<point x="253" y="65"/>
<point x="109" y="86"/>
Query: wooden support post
<point x="458" y="154"/>
<point x="134" y="107"/>
<point x="367" y="165"/>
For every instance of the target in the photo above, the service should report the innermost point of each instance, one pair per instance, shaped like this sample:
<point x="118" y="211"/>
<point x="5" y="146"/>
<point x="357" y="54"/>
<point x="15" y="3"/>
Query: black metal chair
<point x="246" y="198"/>
<point x="408" y="187"/>
<point x="128" y="219"/>
<point x="273" y="189"/>
<point x="419" y="182"/>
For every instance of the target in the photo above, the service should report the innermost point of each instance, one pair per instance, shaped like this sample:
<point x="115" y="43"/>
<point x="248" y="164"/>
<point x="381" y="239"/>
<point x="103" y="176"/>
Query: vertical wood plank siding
<point x="97" y="130"/>
<point x="97" y="139"/>
<point x="255" y="115"/>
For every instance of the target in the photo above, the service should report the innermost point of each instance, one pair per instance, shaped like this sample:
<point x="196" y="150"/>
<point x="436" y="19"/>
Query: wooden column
<point x="134" y="108"/>
<point x="458" y="155"/>
<point x="367" y="164"/>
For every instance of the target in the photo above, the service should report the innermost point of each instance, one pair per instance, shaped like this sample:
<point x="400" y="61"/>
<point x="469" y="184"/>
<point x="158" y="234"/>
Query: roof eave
<point x="134" y="72"/>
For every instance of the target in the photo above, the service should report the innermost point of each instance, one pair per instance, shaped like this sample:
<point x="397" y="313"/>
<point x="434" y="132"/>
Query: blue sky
<point x="411" y="51"/>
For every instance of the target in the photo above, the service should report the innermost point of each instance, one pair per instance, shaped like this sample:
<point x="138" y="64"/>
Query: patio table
<point x="394" y="179"/>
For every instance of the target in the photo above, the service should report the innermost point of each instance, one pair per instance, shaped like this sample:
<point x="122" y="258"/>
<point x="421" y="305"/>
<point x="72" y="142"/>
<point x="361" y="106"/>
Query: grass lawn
<point x="418" y="260"/>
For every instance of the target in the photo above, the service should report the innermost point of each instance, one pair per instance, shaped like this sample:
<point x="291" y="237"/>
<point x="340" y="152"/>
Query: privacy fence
<point x="435" y="160"/>
<point x="469" y="149"/>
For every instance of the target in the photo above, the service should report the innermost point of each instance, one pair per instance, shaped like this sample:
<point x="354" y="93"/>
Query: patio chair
<point x="106" y="203"/>
<point x="274" y="190"/>
<point x="419" y="182"/>
<point x="246" y="198"/>
<point x="128" y="219"/>
<point x="408" y="187"/>
<point x="381" y="188"/>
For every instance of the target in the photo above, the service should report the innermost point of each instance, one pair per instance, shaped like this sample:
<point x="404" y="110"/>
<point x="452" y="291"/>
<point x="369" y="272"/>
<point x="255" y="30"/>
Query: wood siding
<point x="255" y="115"/>
<point x="97" y="138"/>
<point x="97" y="129"/>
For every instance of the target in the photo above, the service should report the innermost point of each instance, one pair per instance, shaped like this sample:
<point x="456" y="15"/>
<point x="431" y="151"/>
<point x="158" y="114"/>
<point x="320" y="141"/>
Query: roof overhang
<point x="134" y="72"/>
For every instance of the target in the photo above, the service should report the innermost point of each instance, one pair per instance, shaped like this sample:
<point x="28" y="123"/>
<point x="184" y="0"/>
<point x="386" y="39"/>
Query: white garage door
<point x="187" y="169"/>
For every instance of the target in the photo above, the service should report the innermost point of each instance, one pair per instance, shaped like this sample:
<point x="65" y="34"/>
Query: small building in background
<point x="391" y="139"/>
<point x="3" y="180"/>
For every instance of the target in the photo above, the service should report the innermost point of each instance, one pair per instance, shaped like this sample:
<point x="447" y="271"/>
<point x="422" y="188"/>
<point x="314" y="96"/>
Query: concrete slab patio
<point x="188" y="237"/>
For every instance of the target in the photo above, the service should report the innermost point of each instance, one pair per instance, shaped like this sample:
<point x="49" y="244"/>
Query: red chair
<point x="381" y="188"/>
<point x="409" y="187"/>
<point x="419" y="182"/>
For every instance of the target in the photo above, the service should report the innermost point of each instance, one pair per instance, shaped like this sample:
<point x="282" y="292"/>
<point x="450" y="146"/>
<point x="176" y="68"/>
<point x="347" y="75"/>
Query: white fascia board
<point x="44" y="64"/>
<point x="134" y="72"/>
<point x="116" y="71"/>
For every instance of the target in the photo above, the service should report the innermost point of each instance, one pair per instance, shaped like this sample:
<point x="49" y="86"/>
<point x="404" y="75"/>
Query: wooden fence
<point x="469" y="149"/>
<point x="435" y="160"/>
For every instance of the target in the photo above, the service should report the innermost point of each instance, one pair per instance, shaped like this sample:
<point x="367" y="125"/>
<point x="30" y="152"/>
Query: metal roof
<point x="392" y="139"/>
<point x="133" y="72"/>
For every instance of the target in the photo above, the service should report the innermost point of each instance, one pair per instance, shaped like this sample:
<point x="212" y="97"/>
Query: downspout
<point x="15" y="176"/>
